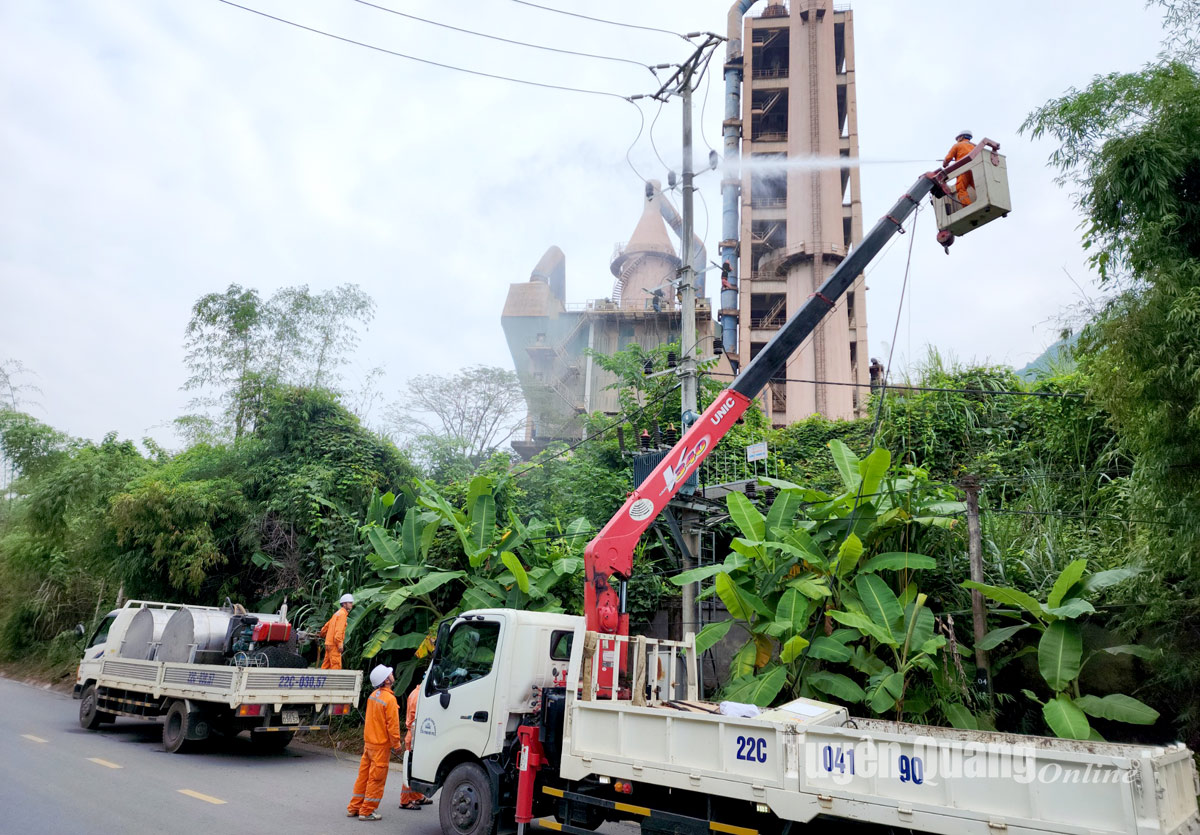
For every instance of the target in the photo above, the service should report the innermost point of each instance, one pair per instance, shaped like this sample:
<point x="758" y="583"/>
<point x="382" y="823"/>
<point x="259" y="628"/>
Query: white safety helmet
<point x="346" y="598"/>
<point x="965" y="134"/>
<point x="379" y="675"/>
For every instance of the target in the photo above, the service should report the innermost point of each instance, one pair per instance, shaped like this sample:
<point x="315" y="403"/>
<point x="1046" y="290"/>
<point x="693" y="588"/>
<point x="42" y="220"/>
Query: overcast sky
<point x="152" y="151"/>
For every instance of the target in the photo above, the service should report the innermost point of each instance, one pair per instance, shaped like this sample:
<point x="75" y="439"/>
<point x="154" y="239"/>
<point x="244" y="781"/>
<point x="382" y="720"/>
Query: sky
<point x="153" y="151"/>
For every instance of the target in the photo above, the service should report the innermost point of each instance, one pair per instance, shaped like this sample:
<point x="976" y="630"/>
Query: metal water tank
<point x="145" y="629"/>
<point x="204" y="629"/>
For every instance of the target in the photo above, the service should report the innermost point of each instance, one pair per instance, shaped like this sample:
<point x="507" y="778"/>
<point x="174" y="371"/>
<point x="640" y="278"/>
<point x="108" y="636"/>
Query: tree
<point x="1130" y="143"/>
<point x="243" y="346"/>
<point x="12" y="399"/>
<point x="467" y="414"/>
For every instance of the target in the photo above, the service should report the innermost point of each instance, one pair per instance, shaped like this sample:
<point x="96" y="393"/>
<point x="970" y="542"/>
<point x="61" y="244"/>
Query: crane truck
<point x="205" y="669"/>
<point x="526" y="715"/>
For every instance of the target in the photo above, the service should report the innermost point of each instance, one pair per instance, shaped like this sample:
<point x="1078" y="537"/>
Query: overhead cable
<point x="502" y="40"/>
<point x="899" y="387"/>
<point x="622" y="420"/>
<point x="602" y="20"/>
<point x="445" y="66"/>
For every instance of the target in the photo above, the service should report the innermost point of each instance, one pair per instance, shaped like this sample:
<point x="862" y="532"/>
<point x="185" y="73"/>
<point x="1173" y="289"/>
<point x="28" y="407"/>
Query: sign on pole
<point x="756" y="452"/>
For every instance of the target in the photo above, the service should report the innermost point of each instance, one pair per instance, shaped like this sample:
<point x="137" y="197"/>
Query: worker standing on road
<point x="410" y="799"/>
<point x="961" y="147"/>
<point x="381" y="736"/>
<point x="334" y="633"/>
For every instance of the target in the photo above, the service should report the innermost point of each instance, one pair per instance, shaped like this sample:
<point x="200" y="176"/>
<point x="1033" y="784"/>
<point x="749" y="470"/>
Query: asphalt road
<point x="56" y="777"/>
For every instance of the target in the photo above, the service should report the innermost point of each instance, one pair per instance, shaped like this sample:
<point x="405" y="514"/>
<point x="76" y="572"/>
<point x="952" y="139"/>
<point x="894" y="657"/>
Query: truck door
<point x="455" y="711"/>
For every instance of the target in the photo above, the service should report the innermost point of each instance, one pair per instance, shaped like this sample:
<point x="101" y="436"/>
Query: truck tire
<point x="175" y="728"/>
<point x="90" y="715"/>
<point x="467" y="806"/>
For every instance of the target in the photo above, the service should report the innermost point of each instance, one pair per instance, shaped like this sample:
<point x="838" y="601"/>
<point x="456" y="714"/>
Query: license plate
<point x="291" y="717"/>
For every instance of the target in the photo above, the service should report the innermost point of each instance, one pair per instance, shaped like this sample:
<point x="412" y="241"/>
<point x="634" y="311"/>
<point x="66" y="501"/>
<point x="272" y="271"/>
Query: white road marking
<point x="205" y="797"/>
<point x="33" y="738"/>
<point x="104" y="763"/>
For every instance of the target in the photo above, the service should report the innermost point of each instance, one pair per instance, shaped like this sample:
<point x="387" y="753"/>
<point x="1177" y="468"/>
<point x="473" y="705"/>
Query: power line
<point x="597" y="434"/>
<point x="653" y="122"/>
<point x="629" y="150"/>
<point x="601" y="20"/>
<point x="1067" y="474"/>
<point x="502" y="40"/>
<point x="904" y="388"/>
<point x="1068" y="515"/>
<point x="425" y="60"/>
<point x="704" y="104"/>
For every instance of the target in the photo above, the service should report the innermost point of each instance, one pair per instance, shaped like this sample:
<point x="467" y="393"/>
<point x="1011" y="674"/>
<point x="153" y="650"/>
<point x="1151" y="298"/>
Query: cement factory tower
<point x="800" y="214"/>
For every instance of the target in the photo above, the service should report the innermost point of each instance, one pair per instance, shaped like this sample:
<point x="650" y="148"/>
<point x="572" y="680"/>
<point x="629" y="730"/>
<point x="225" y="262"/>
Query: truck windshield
<point x="101" y="634"/>
<point x="466" y="655"/>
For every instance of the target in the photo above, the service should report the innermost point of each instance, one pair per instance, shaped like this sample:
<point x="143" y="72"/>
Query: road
<point x="56" y="777"/>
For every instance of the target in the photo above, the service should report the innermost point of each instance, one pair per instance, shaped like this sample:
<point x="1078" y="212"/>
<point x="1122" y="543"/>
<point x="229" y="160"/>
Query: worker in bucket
<point x="334" y="633"/>
<point x="961" y="147"/>
<point x="381" y="736"/>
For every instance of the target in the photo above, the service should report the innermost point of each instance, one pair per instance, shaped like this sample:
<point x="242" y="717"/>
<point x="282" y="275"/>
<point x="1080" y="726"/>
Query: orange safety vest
<point x="958" y="150"/>
<point x="383" y="719"/>
<point x="334" y="630"/>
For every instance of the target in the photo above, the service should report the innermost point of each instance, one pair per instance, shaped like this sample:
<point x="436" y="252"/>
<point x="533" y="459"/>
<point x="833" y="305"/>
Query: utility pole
<point x="680" y="83"/>
<point x="689" y="383"/>
<point x="983" y="675"/>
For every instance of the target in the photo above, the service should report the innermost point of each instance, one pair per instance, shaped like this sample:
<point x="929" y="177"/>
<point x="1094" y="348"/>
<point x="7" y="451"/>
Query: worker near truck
<point x="381" y="736"/>
<point x="334" y="633"/>
<point x="410" y="799"/>
<point x="961" y="147"/>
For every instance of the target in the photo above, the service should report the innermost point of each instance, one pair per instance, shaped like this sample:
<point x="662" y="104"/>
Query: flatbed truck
<point x="226" y="693"/>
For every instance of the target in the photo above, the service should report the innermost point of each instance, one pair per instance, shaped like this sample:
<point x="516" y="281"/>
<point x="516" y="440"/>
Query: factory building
<point x="548" y="336"/>
<point x="800" y="212"/>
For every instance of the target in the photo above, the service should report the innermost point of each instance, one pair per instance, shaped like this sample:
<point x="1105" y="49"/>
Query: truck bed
<point x="810" y="758"/>
<point x="231" y="685"/>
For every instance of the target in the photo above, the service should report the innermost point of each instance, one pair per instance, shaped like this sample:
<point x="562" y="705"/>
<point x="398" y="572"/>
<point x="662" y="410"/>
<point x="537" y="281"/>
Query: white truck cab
<point x="485" y="677"/>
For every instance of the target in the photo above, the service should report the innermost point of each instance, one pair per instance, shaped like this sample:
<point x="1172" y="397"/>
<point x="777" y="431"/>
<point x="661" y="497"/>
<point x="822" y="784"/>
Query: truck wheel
<point x="467" y="806"/>
<point x="275" y="741"/>
<point x="90" y="715"/>
<point x="175" y="728"/>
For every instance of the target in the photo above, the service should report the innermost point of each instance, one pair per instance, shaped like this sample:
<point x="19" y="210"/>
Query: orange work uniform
<point x="964" y="181"/>
<point x="407" y="795"/>
<point x="334" y="632"/>
<point x="381" y="734"/>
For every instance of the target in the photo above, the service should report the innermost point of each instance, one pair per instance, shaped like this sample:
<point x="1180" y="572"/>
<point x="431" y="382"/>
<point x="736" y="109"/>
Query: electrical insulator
<point x="649" y="190"/>
<point x="718" y="345"/>
<point x="645" y="439"/>
<point x="671" y="435"/>
<point x="647" y="368"/>
<point x="671" y="179"/>
<point x="713" y="160"/>
<point x="751" y="490"/>
<point x="671" y="362"/>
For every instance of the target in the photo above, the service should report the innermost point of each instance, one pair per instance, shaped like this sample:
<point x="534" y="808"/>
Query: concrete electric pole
<point x="681" y="83"/>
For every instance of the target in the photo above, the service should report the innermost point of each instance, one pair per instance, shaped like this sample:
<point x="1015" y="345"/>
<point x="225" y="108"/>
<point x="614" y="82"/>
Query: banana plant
<point x="792" y="568"/>
<point x="518" y="565"/>
<point x="902" y="632"/>
<point x="1061" y="653"/>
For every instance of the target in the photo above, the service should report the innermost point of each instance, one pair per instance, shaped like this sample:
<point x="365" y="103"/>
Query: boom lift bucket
<point x="989" y="198"/>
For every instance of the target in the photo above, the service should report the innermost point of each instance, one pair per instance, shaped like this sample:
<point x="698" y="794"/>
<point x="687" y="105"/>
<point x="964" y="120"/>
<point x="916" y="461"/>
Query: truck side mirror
<point x="79" y="630"/>
<point x="444" y="699"/>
